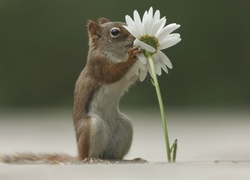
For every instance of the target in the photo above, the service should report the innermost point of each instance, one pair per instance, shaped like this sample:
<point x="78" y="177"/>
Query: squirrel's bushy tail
<point x="32" y="158"/>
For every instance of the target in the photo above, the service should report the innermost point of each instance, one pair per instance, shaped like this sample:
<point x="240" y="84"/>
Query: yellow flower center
<point x="150" y="40"/>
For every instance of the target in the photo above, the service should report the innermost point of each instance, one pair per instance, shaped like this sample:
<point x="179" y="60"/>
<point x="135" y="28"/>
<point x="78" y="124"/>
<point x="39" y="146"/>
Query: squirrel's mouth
<point x="129" y="45"/>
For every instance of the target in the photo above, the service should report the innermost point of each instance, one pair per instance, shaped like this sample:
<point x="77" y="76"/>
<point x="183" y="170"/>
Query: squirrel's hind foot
<point x="91" y="160"/>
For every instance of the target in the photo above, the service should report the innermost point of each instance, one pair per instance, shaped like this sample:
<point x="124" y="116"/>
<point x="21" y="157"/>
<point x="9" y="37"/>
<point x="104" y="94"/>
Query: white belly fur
<point x="111" y="131"/>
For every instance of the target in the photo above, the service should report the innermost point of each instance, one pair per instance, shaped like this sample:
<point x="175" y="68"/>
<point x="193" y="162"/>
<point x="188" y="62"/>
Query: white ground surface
<point x="212" y="144"/>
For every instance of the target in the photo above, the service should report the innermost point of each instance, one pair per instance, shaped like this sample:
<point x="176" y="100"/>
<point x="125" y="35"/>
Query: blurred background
<point x="43" y="48"/>
<point x="44" y="44"/>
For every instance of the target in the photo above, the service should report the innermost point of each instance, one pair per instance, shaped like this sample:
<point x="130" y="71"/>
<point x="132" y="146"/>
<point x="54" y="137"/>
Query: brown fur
<point x="100" y="65"/>
<point x="83" y="139"/>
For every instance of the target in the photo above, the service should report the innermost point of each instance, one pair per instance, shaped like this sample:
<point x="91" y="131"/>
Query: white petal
<point x="137" y="69"/>
<point x="131" y="72"/>
<point x="167" y="30"/>
<point x="156" y="64"/>
<point x="164" y="20"/>
<point x="141" y="65"/>
<point x="161" y="62"/>
<point x="163" y="66"/>
<point x="137" y="18"/>
<point x="143" y="74"/>
<point x="138" y="23"/>
<point x="158" y="68"/>
<point x="142" y="58"/>
<point x="144" y="17"/>
<point x="157" y="27"/>
<point x="147" y="25"/>
<point x="133" y="31"/>
<point x="156" y="16"/>
<point x="147" y="21"/>
<point x="143" y="45"/>
<point x="168" y="43"/>
<point x="149" y="69"/>
<point x="150" y="13"/>
<point x="165" y="59"/>
<point x="172" y="36"/>
<point x="129" y="21"/>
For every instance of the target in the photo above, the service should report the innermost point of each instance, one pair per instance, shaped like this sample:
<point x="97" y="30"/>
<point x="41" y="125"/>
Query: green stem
<point x="158" y="92"/>
<point x="174" y="150"/>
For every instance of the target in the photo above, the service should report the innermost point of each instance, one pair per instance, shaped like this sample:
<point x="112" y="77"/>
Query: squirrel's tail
<point x="42" y="158"/>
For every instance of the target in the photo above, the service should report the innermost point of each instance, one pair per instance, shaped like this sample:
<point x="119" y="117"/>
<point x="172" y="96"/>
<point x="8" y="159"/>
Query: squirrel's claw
<point x="133" y="51"/>
<point x="94" y="161"/>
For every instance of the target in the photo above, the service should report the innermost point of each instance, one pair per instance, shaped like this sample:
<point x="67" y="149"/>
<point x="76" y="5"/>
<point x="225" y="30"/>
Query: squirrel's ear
<point x="103" y="20"/>
<point x="93" y="27"/>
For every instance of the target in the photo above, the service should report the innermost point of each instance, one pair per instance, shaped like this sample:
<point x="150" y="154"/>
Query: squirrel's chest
<point x="106" y="99"/>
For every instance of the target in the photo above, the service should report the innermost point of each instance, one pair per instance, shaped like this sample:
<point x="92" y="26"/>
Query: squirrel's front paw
<point x="132" y="53"/>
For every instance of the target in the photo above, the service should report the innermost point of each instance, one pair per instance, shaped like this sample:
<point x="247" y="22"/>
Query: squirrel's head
<point x="111" y="37"/>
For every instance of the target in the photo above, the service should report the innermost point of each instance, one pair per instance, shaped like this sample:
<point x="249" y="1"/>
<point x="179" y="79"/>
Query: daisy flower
<point x="152" y="36"/>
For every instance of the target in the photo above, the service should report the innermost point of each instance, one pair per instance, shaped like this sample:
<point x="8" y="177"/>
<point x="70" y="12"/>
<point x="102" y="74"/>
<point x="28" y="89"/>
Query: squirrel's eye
<point x="115" y="32"/>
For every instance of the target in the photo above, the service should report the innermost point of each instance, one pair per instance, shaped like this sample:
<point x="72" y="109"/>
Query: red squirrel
<point x="102" y="131"/>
